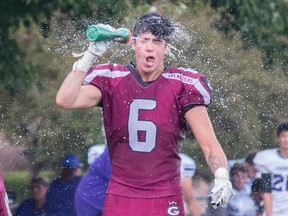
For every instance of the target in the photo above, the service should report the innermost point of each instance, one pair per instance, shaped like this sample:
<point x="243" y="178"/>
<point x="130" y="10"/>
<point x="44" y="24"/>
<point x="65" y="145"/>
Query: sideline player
<point x="91" y="191"/>
<point x="273" y="164"/>
<point x="34" y="206"/>
<point x="146" y="109"/>
<point x="241" y="204"/>
<point x="188" y="168"/>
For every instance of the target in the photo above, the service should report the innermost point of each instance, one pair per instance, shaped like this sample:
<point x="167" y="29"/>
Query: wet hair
<point x="40" y="180"/>
<point x="156" y="24"/>
<point x="282" y="128"/>
<point x="236" y="168"/>
<point x="250" y="157"/>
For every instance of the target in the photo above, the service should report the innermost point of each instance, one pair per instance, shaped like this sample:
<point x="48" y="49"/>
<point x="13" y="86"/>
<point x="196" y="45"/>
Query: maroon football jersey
<point x="145" y="126"/>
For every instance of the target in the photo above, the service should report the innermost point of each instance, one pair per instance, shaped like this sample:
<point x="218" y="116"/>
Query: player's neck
<point x="148" y="77"/>
<point x="283" y="153"/>
<point x="40" y="203"/>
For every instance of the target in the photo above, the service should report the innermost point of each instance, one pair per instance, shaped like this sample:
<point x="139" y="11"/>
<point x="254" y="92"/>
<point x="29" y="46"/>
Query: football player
<point x="241" y="204"/>
<point x="188" y="168"/>
<point x="146" y="109"/>
<point x="273" y="164"/>
<point x="91" y="191"/>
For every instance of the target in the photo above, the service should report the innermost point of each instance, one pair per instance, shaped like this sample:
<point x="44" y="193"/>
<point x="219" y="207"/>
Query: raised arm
<point x="72" y="95"/>
<point x="200" y="123"/>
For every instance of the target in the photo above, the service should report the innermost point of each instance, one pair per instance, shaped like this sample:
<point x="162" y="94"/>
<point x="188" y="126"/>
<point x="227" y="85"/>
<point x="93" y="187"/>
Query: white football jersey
<point x="241" y="205"/>
<point x="270" y="162"/>
<point x="188" y="166"/>
<point x="187" y="169"/>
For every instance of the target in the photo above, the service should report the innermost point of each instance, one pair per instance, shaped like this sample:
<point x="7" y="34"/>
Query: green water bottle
<point x="99" y="33"/>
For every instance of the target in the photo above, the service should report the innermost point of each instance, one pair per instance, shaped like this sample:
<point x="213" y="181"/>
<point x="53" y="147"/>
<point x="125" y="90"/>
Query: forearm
<point x="267" y="204"/>
<point x="70" y="88"/>
<point x="201" y="126"/>
<point x="192" y="206"/>
<point x="215" y="157"/>
<point x="189" y="196"/>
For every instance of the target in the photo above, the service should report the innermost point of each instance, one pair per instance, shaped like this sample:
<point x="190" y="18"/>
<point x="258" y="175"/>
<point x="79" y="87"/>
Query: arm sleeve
<point x="98" y="75"/>
<point x="267" y="185"/>
<point x="197" y="93"/>
<point x="261" y="162"/>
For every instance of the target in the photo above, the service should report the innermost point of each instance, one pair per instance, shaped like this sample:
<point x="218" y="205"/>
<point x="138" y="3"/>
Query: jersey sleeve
<point x="105" y="77"/>
<point x="188" y="166"/>
<point x="98" y="75"/>
<point x="261" y="162"/>
<point x="197" y="91"/>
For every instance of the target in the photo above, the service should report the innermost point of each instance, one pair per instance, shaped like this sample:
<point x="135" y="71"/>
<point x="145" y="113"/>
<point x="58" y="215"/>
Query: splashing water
<point x="67" y="37"/>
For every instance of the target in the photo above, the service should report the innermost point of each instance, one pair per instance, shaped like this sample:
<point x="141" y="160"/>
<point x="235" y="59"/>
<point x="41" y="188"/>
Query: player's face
<point x="150" y="52"/>
<point x="38" y="191"/>
<point x="239" y="180"/>
<point x="283" y="140"/>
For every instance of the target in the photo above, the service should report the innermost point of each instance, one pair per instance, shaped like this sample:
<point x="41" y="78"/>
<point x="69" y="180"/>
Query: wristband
<point x="222" y="173"/>
<point x="85" y="63"/>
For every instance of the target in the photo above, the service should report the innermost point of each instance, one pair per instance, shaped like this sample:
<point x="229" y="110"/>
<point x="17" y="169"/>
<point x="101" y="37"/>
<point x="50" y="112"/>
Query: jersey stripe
<point x="204" y="92"/>
<point x="191" y="81"/>
<point x="104" y="73"/>
<point x="7" y="205"/>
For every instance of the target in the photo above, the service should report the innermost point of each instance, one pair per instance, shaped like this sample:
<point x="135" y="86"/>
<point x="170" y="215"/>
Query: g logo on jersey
<point x="173" y="209"/>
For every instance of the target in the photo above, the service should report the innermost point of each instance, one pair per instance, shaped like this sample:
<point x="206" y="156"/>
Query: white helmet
<point x="95" y="151"/>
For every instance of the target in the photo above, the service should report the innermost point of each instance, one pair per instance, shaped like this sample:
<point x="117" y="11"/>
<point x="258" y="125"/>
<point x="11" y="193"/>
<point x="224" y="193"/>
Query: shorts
<point x="126" y="206"/>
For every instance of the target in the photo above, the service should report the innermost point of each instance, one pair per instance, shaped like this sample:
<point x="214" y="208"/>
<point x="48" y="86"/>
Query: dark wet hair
<point x="282" y="128"/>
<point x="236" y="168"/>
<point x="156" y="24"/>
<point x="40" y="180"/>
<point x="250" y="157"/>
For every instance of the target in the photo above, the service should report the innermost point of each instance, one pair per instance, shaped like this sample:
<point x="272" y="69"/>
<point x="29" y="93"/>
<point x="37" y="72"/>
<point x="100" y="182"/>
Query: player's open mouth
<point x="150" y="60"/>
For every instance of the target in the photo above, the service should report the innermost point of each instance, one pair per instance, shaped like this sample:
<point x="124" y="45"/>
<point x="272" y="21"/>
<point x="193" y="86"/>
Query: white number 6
<point x="147" y="127"/>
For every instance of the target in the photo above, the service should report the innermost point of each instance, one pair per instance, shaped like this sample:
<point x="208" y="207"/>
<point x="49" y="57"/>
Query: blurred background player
<point x="241" y="203"/>
<point x="273" y="164"/>
<point x="251" y="168"/>
<point x="146" y="109"/>
<point x="257" y="192"/>
<point x="252" y="171"/>
<point x="91" y="191"/>
<point x="34" y="206"/>
<point x="188" y="168"/>
<point x="60" y="196"/>
<point x="4" y="202"/>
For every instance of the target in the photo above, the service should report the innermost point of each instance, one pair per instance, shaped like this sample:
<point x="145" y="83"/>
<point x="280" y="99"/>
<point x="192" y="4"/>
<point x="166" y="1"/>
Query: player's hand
<point x="95" y="50"/>
<point x="222" y="191"/>
<point x="98" y="48"/>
